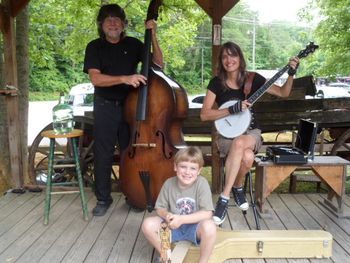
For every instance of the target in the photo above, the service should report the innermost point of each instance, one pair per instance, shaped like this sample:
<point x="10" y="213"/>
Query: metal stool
<point x="73" y="135"/>
<point x="248" y="178"/>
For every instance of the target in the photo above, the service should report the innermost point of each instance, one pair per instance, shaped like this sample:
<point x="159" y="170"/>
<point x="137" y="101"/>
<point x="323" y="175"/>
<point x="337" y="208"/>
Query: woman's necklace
<point x="231" y="84"/>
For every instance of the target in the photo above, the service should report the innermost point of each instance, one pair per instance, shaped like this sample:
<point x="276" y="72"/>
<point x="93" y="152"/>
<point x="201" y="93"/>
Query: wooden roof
<point x="15" y="6"/>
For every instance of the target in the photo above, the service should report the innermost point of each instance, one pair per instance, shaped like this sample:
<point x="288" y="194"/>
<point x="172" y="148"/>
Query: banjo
<point x="236" y="124"/>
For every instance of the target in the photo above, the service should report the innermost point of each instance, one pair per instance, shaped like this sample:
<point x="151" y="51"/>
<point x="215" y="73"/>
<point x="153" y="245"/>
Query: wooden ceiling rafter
<point x="209" y="6"/>
<point x="16" y="6"/>
<point x="10" y="8"/>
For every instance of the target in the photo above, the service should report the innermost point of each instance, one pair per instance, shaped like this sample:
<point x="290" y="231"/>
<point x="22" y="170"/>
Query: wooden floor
<point x="116" y="237"/>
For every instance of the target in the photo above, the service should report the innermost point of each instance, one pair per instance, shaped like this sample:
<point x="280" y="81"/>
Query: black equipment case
<point x="303" y="149"/>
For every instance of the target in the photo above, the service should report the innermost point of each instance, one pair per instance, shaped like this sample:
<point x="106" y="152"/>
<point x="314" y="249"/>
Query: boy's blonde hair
<point x="190" y="154"/>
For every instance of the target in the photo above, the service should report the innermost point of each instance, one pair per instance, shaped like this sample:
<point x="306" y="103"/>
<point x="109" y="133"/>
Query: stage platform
<point x="116" y="237"/>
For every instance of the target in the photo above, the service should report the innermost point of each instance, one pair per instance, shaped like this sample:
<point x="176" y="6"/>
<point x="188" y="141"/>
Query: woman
<point x="229" y="85"/>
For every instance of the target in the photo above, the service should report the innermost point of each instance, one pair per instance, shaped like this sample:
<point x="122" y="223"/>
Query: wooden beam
<point x="3" y="22"/>
<point x="209" y="6"/>
<point x="16" y="6"/>
<point x="13" y="7"/>
<point x="12" y="107"/>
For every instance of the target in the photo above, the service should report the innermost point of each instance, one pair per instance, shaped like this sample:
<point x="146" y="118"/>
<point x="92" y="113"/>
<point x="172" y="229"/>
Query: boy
<point x="185" y="204"/>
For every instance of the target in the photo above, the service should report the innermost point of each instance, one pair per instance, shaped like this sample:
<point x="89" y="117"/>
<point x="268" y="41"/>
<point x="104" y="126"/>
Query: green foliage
<point x="59" y="34"/>
<point x="332" y="34"/>
<point x="60" y="31"/>
<point x="274" y="44"/>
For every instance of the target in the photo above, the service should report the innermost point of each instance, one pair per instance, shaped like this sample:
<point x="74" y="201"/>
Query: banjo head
<point x="233" y="125"/>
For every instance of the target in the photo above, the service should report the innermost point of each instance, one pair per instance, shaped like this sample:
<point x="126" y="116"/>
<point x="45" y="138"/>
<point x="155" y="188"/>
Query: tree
<point x="59" y="34"/>
<point x="271" y="43"/>
<point x="332" y="34"/>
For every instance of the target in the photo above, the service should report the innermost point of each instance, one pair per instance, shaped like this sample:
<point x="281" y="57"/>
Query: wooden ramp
<point x="261" y="244"/>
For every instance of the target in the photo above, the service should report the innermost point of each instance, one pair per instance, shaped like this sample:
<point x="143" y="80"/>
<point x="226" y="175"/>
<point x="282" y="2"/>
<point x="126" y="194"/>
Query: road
<point x="39" y="115"/>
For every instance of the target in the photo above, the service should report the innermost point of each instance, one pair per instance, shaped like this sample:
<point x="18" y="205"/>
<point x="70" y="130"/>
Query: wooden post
<point x="10" y="91"/>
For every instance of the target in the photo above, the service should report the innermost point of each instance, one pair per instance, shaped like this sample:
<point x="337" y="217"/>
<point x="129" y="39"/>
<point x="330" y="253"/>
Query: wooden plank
<point x="272" y="222"/>
<point x="32" y="201"/>
<point x="82" y="245"/>
<point x="304" y="210"/>
<point x="339" y="236"/>
<point x="124" y="246"/>
<point x="12" y="206"/>
<point x="343" y="223"/>
<point x="100" y="250"/>
<point x="66" y="240"/>
<point x="34" y="231"/>
<point x="346" y="200"/>
<point x="143" y="250"/>
<point x="54" y="230"/>
<point x="179" y="253"/>
<point x="6" y="198"/>
<point x="306" y="221"/>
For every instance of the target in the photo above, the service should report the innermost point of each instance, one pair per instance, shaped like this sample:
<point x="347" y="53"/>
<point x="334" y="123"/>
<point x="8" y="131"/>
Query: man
<point x="111" y="62"/>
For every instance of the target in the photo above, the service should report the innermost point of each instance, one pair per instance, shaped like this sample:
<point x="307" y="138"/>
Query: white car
<point x="340" y="84"/>
<point x="328" y="92"/>
<point x="195" y="101"/>
<point x="81" y="97"/>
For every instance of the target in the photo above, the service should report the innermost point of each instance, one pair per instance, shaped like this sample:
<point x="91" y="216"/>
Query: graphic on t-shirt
<point x="185" y="205"/>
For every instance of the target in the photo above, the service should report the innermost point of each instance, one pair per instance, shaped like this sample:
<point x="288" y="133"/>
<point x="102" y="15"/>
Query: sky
<point x="276" y="9"/>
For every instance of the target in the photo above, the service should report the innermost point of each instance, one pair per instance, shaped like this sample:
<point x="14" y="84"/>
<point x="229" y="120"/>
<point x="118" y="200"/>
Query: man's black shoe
<point x="101" y="208"/>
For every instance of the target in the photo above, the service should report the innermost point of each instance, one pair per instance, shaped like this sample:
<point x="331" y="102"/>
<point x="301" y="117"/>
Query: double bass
<point x="154" y="113"/>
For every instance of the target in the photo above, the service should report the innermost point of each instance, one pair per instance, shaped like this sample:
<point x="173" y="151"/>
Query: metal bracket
<point x="260" y="247"/>
<point x="9" y="90"/>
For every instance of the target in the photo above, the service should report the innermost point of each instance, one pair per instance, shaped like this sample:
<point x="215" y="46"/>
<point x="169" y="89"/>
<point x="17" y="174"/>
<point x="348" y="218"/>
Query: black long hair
<point x="235" y="50"/>
<point x="111" y="10"/>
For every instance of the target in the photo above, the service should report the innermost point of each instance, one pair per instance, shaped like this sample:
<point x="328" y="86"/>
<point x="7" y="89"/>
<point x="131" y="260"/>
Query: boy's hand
<point x="174" y="221"/>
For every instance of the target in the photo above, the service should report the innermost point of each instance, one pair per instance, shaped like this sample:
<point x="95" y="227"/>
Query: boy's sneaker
<point x="220" y="210"/>
<point x="239" y="197"/>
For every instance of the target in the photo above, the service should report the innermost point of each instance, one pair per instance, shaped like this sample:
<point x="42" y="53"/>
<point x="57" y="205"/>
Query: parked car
<point x="81" y="97"/>
<point x="340" y="84"/>
<point x="327" y="92"/>
<point x="195" y="101"/>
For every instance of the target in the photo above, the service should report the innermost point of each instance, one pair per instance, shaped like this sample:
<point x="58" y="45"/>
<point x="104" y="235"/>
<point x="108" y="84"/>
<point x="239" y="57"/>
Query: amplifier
<point x="286" y="155"/>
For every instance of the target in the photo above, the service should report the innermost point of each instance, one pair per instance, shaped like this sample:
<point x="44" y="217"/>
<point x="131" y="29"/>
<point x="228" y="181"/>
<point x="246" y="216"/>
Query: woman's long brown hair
<point x="234" y="50"/>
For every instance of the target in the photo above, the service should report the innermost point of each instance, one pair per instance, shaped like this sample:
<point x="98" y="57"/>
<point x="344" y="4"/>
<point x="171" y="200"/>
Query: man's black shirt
<point x="117" y="59"/>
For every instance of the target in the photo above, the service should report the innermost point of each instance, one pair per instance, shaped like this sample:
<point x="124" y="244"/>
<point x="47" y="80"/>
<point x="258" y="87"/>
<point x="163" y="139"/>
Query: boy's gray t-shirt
<point x="185" y="201"/>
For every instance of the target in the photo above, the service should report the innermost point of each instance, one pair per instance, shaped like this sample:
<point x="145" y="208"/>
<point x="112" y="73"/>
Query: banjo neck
<point x="310" y="48"/>
<point x="234" y="125"/>
<point x="257" y="94"/>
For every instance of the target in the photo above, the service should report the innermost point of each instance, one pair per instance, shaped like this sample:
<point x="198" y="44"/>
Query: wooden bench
<point x="330" y="169"/>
